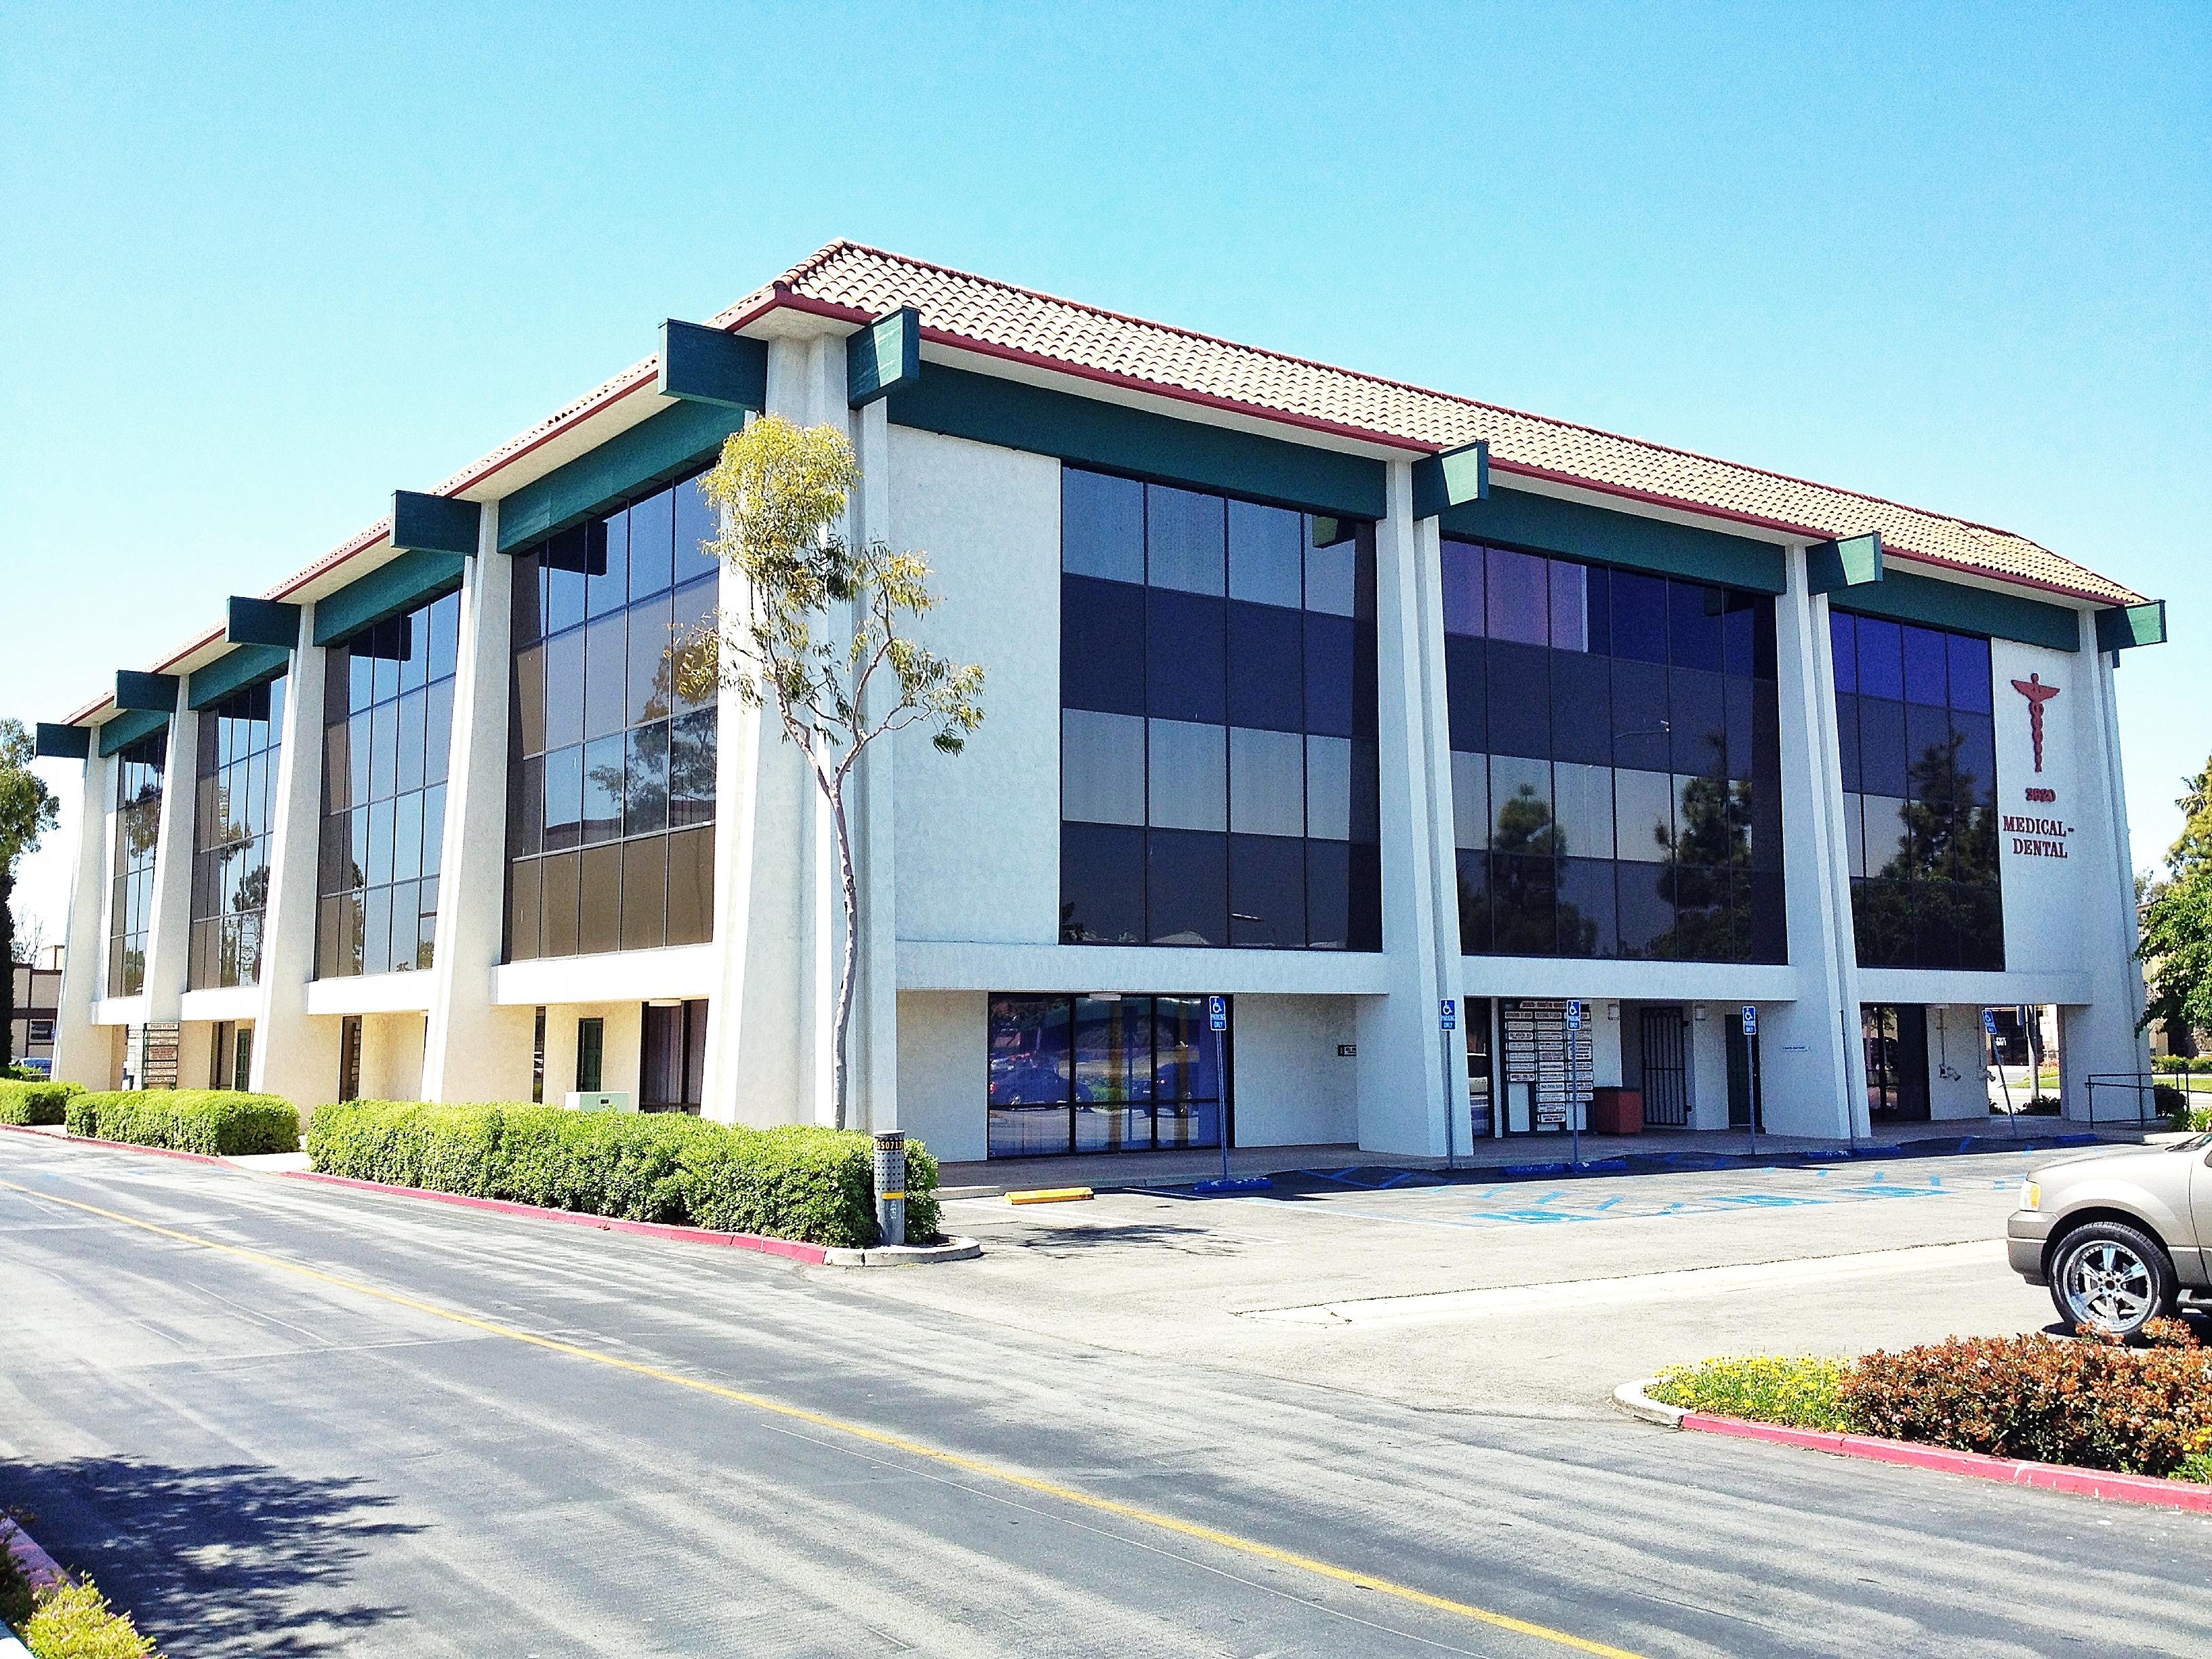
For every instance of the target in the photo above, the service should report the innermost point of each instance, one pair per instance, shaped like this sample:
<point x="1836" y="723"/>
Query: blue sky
<point x="267" y="263"/>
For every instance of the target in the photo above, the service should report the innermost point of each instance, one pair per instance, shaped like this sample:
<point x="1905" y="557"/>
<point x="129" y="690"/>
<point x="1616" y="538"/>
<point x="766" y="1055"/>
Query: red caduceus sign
<point x="2037" y="694"/>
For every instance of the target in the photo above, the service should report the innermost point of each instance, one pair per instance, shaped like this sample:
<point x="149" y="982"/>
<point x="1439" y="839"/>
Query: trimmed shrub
<point x="216" y="1121"/>
<point x="74" y="1621"/>
<point x="798" y="1182"/>
<point x="2093" y="1404"/>
<point x="1800" y="1392"/>
<point x="36" y="1102"/>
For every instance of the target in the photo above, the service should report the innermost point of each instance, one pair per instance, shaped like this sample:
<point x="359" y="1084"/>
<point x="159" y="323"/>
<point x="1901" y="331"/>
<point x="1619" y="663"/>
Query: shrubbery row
<point x="799" y="1182"/>
<point x="35" y="1102"/>
<point x="216" y="1121"/>
<point x="2179" y="1063"/>
<point x="2086" y="1403"/>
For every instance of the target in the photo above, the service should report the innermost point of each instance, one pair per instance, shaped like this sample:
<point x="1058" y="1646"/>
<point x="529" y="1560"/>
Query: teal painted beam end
<point x="249" y="665"/>
<point x="883" y="358"/>
<point x="1852" y="562"/>
<point x="2126" y="626"/>
<point x="52" y="742"/>
<point x="261" y="622"/>
<point x="148" y="693"/>
<point x="119" y="733"/>
<point x="706" y="366"/>
<point x="434" y="524"/>
<point x="1451" y="478"/>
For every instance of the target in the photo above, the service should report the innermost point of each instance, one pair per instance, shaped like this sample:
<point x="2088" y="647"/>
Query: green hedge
<point x="214" y="1120"/>
<point x="35" y="1102"/>
<point x="796" y="1183"/>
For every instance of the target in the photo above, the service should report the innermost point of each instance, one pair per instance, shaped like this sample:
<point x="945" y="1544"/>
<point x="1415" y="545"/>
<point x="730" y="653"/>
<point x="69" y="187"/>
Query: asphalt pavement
<point x="275" y="1418"/>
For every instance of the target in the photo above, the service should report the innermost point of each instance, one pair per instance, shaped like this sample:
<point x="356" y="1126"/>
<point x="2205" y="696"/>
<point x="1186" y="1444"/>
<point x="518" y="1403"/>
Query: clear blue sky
<point x="266" y="264"/>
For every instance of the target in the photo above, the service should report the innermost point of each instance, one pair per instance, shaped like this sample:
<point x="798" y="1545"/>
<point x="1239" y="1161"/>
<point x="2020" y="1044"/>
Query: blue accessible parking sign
<point x="1448" y="1014"/>
<point x="1217" y="1013"/>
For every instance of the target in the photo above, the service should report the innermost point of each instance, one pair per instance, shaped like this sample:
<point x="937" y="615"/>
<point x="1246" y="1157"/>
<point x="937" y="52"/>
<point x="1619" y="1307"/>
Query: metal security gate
<point x="1666" y="1075"/>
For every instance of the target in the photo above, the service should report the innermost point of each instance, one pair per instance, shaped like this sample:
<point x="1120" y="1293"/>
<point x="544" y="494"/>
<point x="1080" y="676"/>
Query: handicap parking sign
<point x="1448" y="1013"/>
<point x="1751" y="1019"/>
<point x="1574" y="1016"/>
<point x="1989" y="1021"/>
<point x="1217" y="1013"/>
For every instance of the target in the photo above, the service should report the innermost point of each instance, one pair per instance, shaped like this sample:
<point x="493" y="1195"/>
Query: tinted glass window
<point x="611" y="765"/>
<point x="1216" y="789"/>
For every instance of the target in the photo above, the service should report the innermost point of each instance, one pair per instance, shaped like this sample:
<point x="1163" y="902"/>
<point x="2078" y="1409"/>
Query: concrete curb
<point x="53" y="1131"/>
<point x="814" y="1255"/>
<point x="903" y="1256"/>
<point x="40" y="1568"/>
<point x="1979" y="1466"/>
<point x="1631" y="1398"/>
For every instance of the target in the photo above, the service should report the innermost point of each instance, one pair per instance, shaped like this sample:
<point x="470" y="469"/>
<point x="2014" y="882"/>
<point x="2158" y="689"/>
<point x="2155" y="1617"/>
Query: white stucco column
<point x="1813" y="1069"/>
<point x="296" y="1056"/>
<point x="474" y="1050"/>
<point x="168" y="942"/>
<point x="2101" y="1038"/>
<point x="875" y="1011"/>
<point x="1432" y="730"/>
<point x="84" y="1053"/>
<point x="1401" y="1061"/>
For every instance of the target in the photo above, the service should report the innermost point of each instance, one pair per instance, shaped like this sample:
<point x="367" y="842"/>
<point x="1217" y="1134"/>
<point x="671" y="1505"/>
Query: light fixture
<point x="664" y="1002"/>
<point x="1613" y="1011"/>
<point x="1101" y="996"/>
<point x="1701" y="1010"/>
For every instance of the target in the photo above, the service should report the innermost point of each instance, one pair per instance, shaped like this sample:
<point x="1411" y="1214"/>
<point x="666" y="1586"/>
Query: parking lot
<point x="1531" y="1298"/>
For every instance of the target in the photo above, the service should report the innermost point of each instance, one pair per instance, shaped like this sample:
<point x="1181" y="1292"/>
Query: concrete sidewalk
<point x="1539" y="1154"/>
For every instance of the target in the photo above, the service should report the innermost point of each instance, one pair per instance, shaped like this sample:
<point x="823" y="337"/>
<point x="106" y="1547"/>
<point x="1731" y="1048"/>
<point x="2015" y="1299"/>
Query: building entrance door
<point x="1896" y="1039"/>
<point x="1746" y="1083"/>
<point x="1474" y="1016"/>
<point x="1661" y="1043"/>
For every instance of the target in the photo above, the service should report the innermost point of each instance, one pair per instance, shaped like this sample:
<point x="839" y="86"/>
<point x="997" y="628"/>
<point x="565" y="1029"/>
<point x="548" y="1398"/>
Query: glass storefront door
<point x="1072" y="1073"/>
<point x="1895" y="1036"/>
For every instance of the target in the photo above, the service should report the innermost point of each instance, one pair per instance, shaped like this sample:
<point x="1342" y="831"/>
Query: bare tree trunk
<point x="840" y="1073"/>
<point x="8" y="962"/>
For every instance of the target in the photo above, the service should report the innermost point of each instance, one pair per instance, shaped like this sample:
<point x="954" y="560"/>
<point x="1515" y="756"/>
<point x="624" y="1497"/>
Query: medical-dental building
<point x="1331" y="697"/>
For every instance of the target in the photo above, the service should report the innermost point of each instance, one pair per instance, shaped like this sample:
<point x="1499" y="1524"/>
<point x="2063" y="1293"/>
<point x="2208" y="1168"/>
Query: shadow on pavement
<point x="230" y="1559"/>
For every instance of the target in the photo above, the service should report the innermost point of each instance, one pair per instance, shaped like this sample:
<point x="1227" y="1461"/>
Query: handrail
<point x="2139" y="1082"/>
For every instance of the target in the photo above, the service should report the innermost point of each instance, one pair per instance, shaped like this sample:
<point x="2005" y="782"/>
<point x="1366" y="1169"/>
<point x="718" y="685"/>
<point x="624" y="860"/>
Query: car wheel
<point x="2113" y="1278"/>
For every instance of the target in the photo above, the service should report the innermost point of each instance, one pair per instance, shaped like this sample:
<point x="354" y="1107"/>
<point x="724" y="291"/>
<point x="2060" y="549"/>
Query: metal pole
<point x="890" y="1185"/>
<point x="1451" y="1107"/>
<point x="2004" y="1082"/>
<point x="1221" y="1112"/>
<point x="1751" y="1063"/>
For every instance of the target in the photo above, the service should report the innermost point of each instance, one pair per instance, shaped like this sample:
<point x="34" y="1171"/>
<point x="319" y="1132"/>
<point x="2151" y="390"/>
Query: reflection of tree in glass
<point x="1709" y="857"/>
<point x="1951" y="837"/>
<point x="656" y="767"/>
<point x="142" y="819"/>
<point x="1522" y="888"/>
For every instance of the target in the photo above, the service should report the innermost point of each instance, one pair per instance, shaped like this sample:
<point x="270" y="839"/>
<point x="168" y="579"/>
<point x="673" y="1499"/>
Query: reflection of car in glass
<point x="1017" y="1079"/>
<point x="2118" y="1237"/>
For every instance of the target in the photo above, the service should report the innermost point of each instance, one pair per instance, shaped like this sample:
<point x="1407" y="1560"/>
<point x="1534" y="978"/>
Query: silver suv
<point x="2118" y="1237"/>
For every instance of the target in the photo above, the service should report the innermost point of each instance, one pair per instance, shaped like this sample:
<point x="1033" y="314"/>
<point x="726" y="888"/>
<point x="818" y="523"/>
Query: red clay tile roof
<point x="982" y="315"/>
<point x="975" y="314"/>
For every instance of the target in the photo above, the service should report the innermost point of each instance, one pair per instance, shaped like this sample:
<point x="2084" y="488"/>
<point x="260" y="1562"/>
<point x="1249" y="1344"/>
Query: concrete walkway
<point x="1136" y="1171"/>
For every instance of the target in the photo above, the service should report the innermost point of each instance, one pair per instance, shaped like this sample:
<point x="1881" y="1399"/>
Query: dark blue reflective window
<point x="1186" y="887"/>
<point x="1102" y="885"/>
<point x="1267" y="890"/>
<point x="1694" y="631"/>
<point x="1185" y="656"/>
<point x="1520" y="700"/>
<point x="1925" y="670"/>
<point x="1102" y="653"/>
<point x="1466" y="693"/>
<point x="1266" y="666"/>
<point x="1639" y="616"/>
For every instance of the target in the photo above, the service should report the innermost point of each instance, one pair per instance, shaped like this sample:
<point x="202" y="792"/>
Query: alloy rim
<point x="2110" y="1285"/>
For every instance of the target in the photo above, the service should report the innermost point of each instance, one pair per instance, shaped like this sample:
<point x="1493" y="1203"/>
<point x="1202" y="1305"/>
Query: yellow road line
<point x="1228" y="1540"/>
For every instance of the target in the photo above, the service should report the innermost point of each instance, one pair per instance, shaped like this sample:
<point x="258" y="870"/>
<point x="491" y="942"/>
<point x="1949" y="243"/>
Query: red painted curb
<point x="2048" y="1477"/>
<point x="39" y="1130"/>
<point x="814" y="1254"/>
